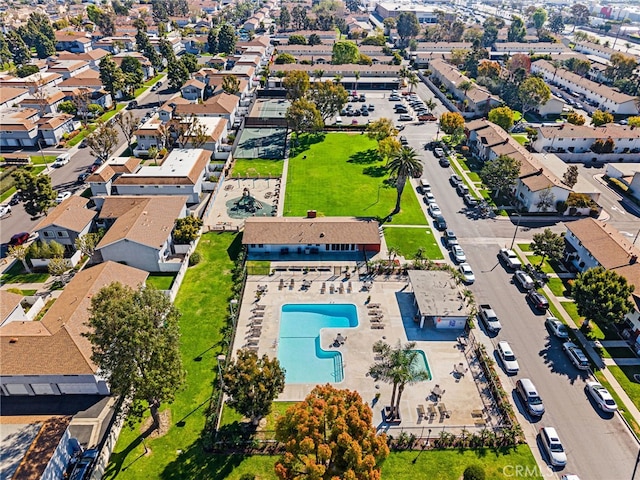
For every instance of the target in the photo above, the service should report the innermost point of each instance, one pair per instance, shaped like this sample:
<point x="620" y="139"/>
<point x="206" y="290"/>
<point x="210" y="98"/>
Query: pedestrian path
<point x="622" y="362"/>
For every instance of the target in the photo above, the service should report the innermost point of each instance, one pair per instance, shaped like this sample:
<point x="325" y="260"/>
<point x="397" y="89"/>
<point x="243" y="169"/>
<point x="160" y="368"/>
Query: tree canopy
<point x="501" y="173"/>
<point x="403" y="165"/>
<point x="451" y="123"/>
<point x="328" y="97"/>
<point x="330" y="435"/>
<point x="548" y="245"/>
<point x="303" y="116"/>
<point x="103" y="141"/>
<point x="296" y="83"/>
<point x="599" y="118"/>
<point x="381" y="129"/>
<point x="36" y="191"/>
<point x="135" y="342"/>
<point x="344" y="51"/>
<point x="502" y="116"/>
<point x="517" y="30"/>
<point x="532" y="93"/>
<point x="407" y="26"/>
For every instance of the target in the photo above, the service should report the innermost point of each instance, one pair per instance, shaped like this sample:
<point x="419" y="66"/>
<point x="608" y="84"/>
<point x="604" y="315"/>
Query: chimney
<point x="311" y="214"/>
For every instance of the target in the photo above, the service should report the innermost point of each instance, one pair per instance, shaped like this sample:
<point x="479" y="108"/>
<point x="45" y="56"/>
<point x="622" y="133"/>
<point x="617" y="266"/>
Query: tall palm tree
<point x="413" y="81"/>
<point x="338" y="78"/>
<point x="430" y="104"/>
<point x="357" y="77"/>
<point x="404" y="164"/>
<point x="397" y="366"/>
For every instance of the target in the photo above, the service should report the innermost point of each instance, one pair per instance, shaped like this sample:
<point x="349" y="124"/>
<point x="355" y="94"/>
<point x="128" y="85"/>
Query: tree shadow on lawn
<point x="117" y="460"/>
<point x="303" y="142"/>
<point x="365" y="157"/>
<point x="376" y="171"/>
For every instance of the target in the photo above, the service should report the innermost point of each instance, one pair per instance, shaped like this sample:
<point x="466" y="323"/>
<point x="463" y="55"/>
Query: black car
<point x="455" y="180"/>
<point x="132" y="105"/>
<point x="444" y="162"/>
<point x="82" y="177"/>
<point x="440" y="223"/>
<point x="538" y="300"/>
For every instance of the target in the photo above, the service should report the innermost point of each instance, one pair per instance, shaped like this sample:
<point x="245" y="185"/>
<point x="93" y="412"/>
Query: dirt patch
<point x="165" y="424"/>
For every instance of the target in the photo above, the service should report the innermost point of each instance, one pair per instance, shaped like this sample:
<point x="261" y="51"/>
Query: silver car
<point x="458" y="254"/>
<point x="553" y="446"/>
<point x="601" y="396"/>
<point x="556" y="327"/>
<point x="508" y="358"/>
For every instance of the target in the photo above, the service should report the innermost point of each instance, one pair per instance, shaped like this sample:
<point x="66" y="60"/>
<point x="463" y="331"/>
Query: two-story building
<point x="45" y="101"/>
<point x="193" y="90"/>
<point x="67" y="222"/>
<point x="12" y="96"/>
<point x="581" y="138"/>
<point x="72" y="41"/>
<point x="53" y="128"/>
<point x="19" y="128"/>
<point x="68" y="68"/>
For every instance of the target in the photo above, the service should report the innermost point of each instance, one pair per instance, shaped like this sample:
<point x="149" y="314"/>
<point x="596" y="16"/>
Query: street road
<point x="65" y="178"/>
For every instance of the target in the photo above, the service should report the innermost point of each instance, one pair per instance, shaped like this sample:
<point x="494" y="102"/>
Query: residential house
<point x="553" y="106"/>
<point x="53" y="356"/>
<point x="221" y="105"/>
<point x="213" y="79"/>
<point x="102" y="179"/>
<point x="147" y="69"/>
<point x="371" y="76"/>
<point x="45" y="101"/>
<point x="426" y="14"/>
<point x="72" y="41"/>
<point x="68" y="68"/>
<point x="11" y="309"/>
<point x="589" y="48"/>
<point x="580" y="138"/>
<point x="52" y="128"/>
<point x="196" y="45"/>
<point x="67" y="222"/>
<point x="427" y="51"/>
<point x="89" y="80"/>
<point x="321" y="54"/>
<point x="34" y="82"/>
<point x="356" y="25"/>
<point x="628" y="174"/>
<point x="175" y="41"/>
<point x="18" y="128"/>
<point x="500" y="49"/>
<point x="182" y="172"/>
<point x="116" y="44"/>
<point x="12" y="96"/>
<point x="282" y="38"/>
<point x="92" y="57"/>
<point x="140" y="231"/>
<point x="193" y="90"/>
<point x="607" y="98"/>
<point x="252" y="24"/>
<point x="343" y="236"/>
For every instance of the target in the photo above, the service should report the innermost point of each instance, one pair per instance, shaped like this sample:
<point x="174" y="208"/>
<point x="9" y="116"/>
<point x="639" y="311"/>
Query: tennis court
<point x="270" y="108"/>
<point x="261" y="143"/>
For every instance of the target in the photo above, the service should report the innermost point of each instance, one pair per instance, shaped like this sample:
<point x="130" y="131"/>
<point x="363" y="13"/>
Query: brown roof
<point x="222" y="103"/>
<point x="101" y="175"/>
<point x="91" y="55"/>
<point x="303" y="231"/>
<point x="56" y="345"/>
<point x="9" y="93"/>
<point x="87" y="78"/>
<point x="50" y="98"/>
<point x="605" y="243"/>
<point x="190" y="179"/>
<point x="42" y="448"/>
<point x="72" y="214"/>
<point x="8" y="303"/>
<point x="51" y="123"/>
<point x="194" y="83"/>
<point x="148" y="220"/>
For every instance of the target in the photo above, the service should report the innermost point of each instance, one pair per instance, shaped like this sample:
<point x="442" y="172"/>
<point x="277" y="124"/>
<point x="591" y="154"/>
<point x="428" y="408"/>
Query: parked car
<point x="429" y="198"/>
<point x="83" y="177"/>
<point x="553" y="446"/>
<point x="577" y="356"/>
<point x="438" y="152"/>
<point x="450" y="238"/>
<point x="507" y="357"/>
<point x="601" y="396"/>
<point x="371" y="107"/>
<point x="403" y="140"/>
<point x="405" y="117"/>
<point x="394" y="98"/>
<point x="556" y="327"/>
<point x="5" y="210"/>
<point x="458" y="254"/>
<point x="538" y="300"/>
<point x="455" y="180"/>
<point x="439" y="222"/>
<point x="362" y="97"/>
<point x="469" y="201"/>
<point x="427" y="117"/>
<point x="528" y="393"/>
<point x="61" y="160"/>
<point x="489" y="318"/>
<point x="467" y="273"/>
<point x="444" y="162"/>
<point x="132" y="105"/>
<point x="462" y="189"/>
<point x="524" y="280"/>
<point x="19" y="238"/>
<point x="434" y="210"/>
<point x="83" y="143"/>
<point x="62" y="196"/>
<point x="510" y="258"/>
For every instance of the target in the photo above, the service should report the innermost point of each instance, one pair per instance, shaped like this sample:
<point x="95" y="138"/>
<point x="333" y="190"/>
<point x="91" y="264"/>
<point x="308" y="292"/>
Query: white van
<point x="424" y="185"/>
<point x="530" y="397"/>
<point x="338" y="120"/>
<point x="61" y="160"/>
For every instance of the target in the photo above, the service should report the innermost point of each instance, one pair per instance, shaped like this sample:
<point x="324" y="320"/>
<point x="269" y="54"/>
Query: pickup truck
<point x="510" y="259"/>
<point x="489" y="318"/>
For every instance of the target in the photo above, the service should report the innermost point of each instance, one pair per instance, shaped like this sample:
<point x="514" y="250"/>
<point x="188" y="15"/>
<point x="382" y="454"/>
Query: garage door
<point x="78" y="388"/>
<point x="43" y="389"/>
<point x="17" y="389"/>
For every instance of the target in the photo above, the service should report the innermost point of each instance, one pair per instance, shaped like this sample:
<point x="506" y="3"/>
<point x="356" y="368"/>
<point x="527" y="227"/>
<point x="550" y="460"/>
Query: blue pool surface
<point x="421" y="363"/>
<point x="300" y="352"/>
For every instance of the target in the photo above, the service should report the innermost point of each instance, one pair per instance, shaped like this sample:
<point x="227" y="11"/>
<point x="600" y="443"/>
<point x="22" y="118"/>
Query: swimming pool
<point x="300" y="352"/>
<point x="420" y="364"/>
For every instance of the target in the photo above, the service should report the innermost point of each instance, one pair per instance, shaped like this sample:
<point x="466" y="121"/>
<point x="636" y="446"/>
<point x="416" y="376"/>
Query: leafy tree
<point x="500" y="174"/>
<point x="570" y="177"/>
<point x="297" y="40"/>
<point x="489" y="69"/>
<point x="389" y="24"/>
<point x="44" y="46"/>
<point x="177" y="74"/>
<point x="144" y="44"/>
<point x="599" y="118"/>
<point x="35" y="190"/>
<point x="299" y="17"/>
<point x="403" y="165"/>
<point x="397" y="367"/>
<point x="533" y="93"/>
<point x="128" y="124"/>
<point x="190" y="61"/>
<point x="230" y="84"/>
<point x="502" y="116"/>
<point x="58" y="267"/>
<point x="314" y="39"/>
<point x="283" y="58"/>
<point x="381" y="129"/>
<point x="303" y="116"/>
<point x="548" y="245"/>
<point x="539" y="18"/>
<point x="26" y="70"/>
<point x="603" y="146"/>
<point x="296" y="83"/>
<point x="556" y="23"/>
<point x="212" y="41"/>
<point x="330" y="435"/>
<point x="285" y="17"/>
<point x="517" y="30"/>
<point x="135" y="342"/>
<point x="227" y="39"/>
<point x="344" y="52"/>
<point x="103" y="141"/>
<point x="575" y="118"/>
<point x="328" y="97"/>
<point x="389" y="147"/>
<point x="252" y="384"/>
<point x="451" y="123"/>
<point x="580" y="14"/>
<point x="352" y="5"/>
<point x="19" y="252"/>
<point x="578" y="66"/>
<point x="407" y="26"/>
<point x="111" y="75"/>
<point x="68" y="107"/>
<point x="620" y="66"/>
<point x="5" y="53"/>
<point x="602" y="295"/>
<point x="634" y="121"/>
<point x="19" y="50"/>
<point x="39" y="23"/>
<point x="87" y="243"/>
<point x="187" y="229"/>
<point x="474" y="472"/>
<point x="491" y="27"/>
<point x="132" y="73"/>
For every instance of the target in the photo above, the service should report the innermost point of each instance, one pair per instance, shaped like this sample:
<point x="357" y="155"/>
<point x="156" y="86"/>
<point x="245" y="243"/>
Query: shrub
<point x="617" y="183"/>
<point x="474" y="472"/>
<point x="187" y="229"/>
<point x="194" y="259"/>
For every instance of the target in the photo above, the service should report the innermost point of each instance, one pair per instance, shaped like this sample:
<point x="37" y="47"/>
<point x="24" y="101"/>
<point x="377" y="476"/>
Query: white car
<point x="467" y="273"/>
<point x="429" y="198"/>
<point x="601" y="396"/>
<point x="508" y="358"/>
<point x="510" y="258"/>
<point x="60" y="161"/>
<point x="5" y="210"/>
<point x="458" y="254"/>
<point x="434" y="210"/>
<point x="62" y="196"/>
<point x="524" y="280"/>
<point x="556" y="327"/>
<point x="553" y="446"/>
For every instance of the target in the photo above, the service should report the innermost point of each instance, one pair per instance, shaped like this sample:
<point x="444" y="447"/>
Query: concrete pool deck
<point x="462" y="398"/>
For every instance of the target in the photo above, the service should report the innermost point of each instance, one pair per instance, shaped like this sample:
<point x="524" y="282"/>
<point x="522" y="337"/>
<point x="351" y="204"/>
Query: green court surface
<point x="261" y="143"/>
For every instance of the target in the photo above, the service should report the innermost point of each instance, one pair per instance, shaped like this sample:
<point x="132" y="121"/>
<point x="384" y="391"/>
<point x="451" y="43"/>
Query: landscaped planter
<point x="182" y="248"/>
<point x="44" y="262"/>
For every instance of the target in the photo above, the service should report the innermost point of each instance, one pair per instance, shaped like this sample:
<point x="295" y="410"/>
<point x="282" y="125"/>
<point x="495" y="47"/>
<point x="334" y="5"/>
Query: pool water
<point x="421" y="364"/>
<point x="300" y="352"/>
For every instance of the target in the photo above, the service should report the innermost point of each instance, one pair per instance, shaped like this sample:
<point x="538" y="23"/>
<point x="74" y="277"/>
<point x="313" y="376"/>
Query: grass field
<point x="160" y="282"/>
<point x="409" y="240"/>
<point x="17" y="274"/>
<point x="257" y="168"/>
<point x="340" y="174"/>
<point x="201" y="301"/>
<point x="556" y="286"/>
<point x="624" y="376"/>
<point x="525" y="247"/>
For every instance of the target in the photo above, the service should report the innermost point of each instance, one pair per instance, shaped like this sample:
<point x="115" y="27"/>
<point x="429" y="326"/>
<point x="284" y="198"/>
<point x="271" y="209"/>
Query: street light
<point x="42" y="153"/>
<point x="513" y="240"/>
<point x="438" y="132"/>
<point x="221" y="360"/>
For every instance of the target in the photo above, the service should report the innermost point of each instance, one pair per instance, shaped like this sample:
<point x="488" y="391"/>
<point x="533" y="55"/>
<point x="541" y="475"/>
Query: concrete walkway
<point x="622" y="362"/>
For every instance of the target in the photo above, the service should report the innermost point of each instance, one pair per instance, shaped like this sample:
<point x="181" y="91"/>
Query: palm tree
<point x="404" y="73"/>
<point x="393" y="253"/>
<point x="318" y="74"/>
<point x="413" y="81"/>
<point x="338" y="78"/>
<point x="430" y="104"/>
<point x="397" y="366"/>
<point x="357" y="77"/>
<point x="404" y="164"/>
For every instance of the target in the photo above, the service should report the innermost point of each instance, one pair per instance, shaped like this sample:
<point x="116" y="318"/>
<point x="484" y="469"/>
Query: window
<point x="63" y="234"/>
<point x="48" y="234"/>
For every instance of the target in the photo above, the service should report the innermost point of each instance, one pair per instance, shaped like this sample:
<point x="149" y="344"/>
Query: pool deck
<point x="462" y="399"/>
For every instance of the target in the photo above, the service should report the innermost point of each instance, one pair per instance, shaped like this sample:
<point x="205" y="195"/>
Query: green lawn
<point x="202" y="300"/>
<point x="572" y="310"/>
<point x="230" y="415"/>
<point x="620" y="352"/>
<point x="621" y="407"/>
<point x="535" y="261"/>
<point x="154" y="80"/>
<point x="160" y="282"/>
<point x="525" y="247"/>
<point x="111" y="113"/>
<point x="38" y="160"/>
<point x="17" y="274"/>
<point x="257" y="167"/>
<point x="520" y="138"/>
<point x="624" y="376"/>
<point x="83" y="133"/>
<point x="258" y="267"/>
<point x="556" y="286"/>
<point x="7" y="194"/>
<point x="409" y="240"/>
<point x="343" y="176"/>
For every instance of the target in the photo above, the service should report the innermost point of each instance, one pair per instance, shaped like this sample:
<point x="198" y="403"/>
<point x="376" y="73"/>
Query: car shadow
<point x="558" y="362"/>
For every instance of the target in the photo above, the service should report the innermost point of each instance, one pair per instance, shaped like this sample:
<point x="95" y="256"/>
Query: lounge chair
<point x="377" y="326"/>
<point x="373" y="305"/>
<point x="259" y="307"/>
<point x="421" y="412"/>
